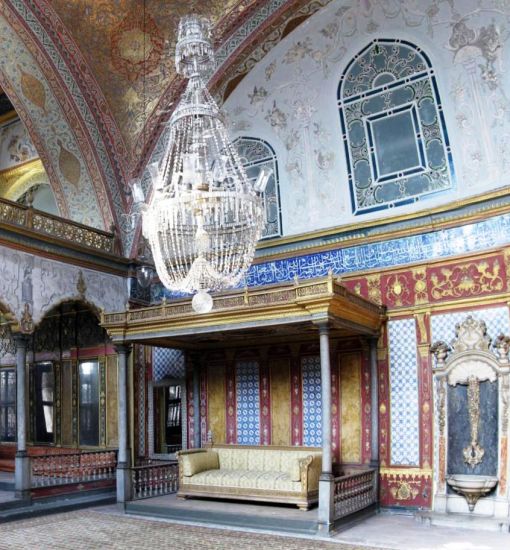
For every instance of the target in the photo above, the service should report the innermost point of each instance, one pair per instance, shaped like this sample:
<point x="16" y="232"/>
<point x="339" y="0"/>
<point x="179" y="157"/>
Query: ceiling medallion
<point x="206" y="215"/>
<point x="137" y="45"/>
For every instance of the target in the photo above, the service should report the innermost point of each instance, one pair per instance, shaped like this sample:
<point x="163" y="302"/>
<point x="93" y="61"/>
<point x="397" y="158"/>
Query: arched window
<point x="393" y="128"/>
<point x="255" y="154"/>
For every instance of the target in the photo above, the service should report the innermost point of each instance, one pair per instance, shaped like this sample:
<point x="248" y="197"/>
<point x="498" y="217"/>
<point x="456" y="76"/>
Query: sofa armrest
<point x="195" y="461"/>
<point x="311" y="467"/>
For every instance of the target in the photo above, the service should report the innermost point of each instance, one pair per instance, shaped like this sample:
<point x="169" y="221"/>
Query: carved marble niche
<point x="472" y="389"/>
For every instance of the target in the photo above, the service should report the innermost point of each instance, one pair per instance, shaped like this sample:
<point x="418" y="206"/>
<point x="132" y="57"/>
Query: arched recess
<point x="67" y="376"/>
<point x="31" y="177"/>
<point x="50" y="117"/>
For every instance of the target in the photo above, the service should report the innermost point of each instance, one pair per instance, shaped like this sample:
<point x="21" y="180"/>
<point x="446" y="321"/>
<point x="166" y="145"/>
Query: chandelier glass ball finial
<point x="205" y="216"/>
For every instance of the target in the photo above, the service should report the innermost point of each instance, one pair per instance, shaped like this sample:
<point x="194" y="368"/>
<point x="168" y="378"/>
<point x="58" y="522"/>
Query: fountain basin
<point x="471" y="487"/>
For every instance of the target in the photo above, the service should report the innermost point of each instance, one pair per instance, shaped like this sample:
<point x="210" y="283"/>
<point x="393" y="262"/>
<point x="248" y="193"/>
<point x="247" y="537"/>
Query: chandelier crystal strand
<point x="205" y="217"/>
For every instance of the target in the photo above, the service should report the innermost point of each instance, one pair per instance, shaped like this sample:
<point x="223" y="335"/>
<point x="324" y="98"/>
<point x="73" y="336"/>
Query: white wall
<point x="44" y="283"/>
<point x="290" y="99"/>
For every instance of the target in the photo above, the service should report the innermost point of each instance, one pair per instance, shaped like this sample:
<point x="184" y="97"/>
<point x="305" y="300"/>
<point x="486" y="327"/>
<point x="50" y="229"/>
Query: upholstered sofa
<point x="273" y="474"/>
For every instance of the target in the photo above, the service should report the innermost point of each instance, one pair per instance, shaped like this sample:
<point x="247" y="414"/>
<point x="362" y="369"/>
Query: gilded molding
<point x="307" y="301"/>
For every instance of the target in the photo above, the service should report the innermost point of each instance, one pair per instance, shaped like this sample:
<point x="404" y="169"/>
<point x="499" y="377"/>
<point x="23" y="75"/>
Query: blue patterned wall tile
<point x="496" y="318"/>
<point x="167" y="363"/>
<point x="248" y="406"/>
<point x="312" y="400"/>
<point x="404" y="407"/>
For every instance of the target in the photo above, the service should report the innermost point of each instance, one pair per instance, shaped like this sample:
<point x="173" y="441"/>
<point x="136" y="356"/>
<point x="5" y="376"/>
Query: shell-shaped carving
<point x="69" y="165"/>
<point x="33" y="89"/>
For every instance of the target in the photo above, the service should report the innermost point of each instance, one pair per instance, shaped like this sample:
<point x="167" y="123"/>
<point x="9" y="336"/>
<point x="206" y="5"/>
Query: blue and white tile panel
<point x="248" y="405"/>
<point x="167" y="363"/>
<point x="312" y="400"/>
<point x="404" y="396"/>
<point x="496" y="319"/>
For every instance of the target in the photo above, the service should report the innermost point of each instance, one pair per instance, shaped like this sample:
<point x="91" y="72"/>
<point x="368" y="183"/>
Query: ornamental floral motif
<point x="136" y="45"/>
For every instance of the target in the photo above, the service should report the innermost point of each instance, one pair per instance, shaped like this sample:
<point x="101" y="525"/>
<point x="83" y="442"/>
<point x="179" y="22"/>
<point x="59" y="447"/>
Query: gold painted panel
<point x="216" y="402"/>
<point x="280" y="401"/>
<point x="67" y="408"/>
<point x="111" y="401"/>
<point x="124" y="45"/>
<point x="350" y="407"/>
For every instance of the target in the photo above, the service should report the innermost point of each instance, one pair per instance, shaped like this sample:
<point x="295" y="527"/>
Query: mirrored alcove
<point x="166" y="412"/>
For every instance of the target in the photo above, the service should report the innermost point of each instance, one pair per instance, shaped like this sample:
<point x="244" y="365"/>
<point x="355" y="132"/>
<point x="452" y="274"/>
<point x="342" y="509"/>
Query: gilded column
<point x="22" y="461"/>
<point x="374" y="405"/>
<point x="197" y="368"/>
<point x="123" y="470"/>
<point x="326" y="482"/>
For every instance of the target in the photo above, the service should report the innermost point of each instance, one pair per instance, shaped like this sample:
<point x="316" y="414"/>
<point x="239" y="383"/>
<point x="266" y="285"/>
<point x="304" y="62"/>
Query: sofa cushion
<point x="263" y="459"/>
<point x="294" y="469"/>
<point x="198" y="462"/>
<point x="244" y="479"/>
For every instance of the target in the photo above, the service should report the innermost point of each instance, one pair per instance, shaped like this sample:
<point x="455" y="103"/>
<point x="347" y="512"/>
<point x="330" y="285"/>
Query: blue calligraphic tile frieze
<point x="248" y="406"/>
<point x="312" y="400"/>
<point x="472" y="237"/>
<point x="405" y="414"/>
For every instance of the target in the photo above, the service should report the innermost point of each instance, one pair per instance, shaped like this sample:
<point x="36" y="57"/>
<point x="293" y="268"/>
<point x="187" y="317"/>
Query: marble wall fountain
<point x="472" y="394"/>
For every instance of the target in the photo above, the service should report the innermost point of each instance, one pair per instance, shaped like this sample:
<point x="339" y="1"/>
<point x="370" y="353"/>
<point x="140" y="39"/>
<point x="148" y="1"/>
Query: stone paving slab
<point x="87" y="530"/>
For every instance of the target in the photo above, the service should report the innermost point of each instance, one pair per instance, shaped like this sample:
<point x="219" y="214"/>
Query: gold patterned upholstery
<point x="279" y="474"/>
<point x="198" y="462"/>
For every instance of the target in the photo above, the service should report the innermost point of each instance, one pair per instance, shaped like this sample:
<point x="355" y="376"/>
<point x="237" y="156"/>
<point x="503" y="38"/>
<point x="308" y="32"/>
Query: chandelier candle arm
<point x="206" y="215"/>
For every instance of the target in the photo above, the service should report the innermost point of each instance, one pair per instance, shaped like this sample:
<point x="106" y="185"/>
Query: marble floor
<point x="404" y="532"/>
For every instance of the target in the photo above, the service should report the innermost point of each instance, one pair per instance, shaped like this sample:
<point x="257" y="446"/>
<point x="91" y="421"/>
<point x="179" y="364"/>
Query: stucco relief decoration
<point x="137" y="45"/>
<point x="30" y="286"/>
<point x="16" y="146"/>
<point x="477" y="44"/>
<point x="305" y="66"/>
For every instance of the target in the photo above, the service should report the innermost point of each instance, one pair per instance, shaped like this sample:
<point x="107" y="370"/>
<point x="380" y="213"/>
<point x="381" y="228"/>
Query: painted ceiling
<point x="129" y="52"/>
<point x="94" y="81"/>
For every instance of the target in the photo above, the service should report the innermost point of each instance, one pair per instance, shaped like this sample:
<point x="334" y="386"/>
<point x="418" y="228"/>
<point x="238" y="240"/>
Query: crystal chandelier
<point x="206" y="216"/>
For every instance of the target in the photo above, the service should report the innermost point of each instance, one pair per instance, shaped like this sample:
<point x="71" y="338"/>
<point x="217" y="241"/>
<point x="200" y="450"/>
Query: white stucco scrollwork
<point x="42" y="284"/>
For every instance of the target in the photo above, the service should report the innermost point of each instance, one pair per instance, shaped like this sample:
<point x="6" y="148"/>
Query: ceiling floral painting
<point x="131" y="58"/>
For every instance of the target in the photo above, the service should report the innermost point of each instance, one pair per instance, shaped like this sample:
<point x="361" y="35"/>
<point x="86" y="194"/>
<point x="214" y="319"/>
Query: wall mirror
<point x="167" y="411"/>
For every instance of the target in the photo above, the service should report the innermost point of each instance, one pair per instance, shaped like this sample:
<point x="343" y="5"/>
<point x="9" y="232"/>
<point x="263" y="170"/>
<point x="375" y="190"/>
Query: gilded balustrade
<point x="300" y="292"/>
<point x="20" y="216"/>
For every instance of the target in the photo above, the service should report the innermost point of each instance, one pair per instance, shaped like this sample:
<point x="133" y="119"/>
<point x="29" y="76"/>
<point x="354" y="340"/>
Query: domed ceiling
<point x="130" y="53"/>
<point x="94" y="81"/>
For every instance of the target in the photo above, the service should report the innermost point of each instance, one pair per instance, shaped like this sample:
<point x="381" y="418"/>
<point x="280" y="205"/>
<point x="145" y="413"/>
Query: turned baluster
<point x="134" y="483"/>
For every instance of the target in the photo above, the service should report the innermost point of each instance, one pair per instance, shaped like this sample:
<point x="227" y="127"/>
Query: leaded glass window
<point x="7" y="405"/>
<point x="255" y="154"/>
<point x="393" y="127"/>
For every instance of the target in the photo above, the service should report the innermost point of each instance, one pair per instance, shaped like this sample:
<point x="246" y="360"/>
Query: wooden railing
<point x="151" y="480"/>
<point x="354" y="492"/>
<point x="81" y="467"/>
<point x="41" y="223"/>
